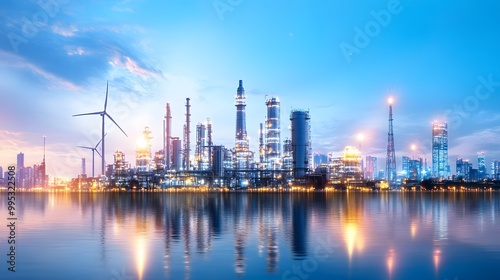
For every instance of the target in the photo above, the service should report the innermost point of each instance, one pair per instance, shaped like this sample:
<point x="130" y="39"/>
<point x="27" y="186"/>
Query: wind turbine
<point x="94" y="149"/>
<point x="103" y="114"/>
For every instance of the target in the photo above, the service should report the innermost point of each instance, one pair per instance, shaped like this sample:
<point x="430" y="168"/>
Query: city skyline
<point x="441" y="70"/>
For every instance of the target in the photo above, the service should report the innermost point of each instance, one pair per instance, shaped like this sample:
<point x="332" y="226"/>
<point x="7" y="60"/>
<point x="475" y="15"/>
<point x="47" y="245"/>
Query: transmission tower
<point x="391" y="155"/>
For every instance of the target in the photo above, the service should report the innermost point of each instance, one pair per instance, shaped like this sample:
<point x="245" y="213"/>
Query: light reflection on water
<point x="255" y="235"/>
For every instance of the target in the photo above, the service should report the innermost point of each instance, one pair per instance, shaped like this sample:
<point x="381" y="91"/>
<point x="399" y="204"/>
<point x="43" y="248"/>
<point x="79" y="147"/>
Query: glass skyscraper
<point x="440" y="167"/>
<point x="481" y="165"/>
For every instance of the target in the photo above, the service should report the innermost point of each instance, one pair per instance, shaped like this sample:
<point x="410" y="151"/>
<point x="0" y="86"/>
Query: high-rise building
<point x="301" y="142"/>
<point x="481" y="166"/>
<point x="242" y="152"/>
<point x="371" y="168"/>
<point x="495" y="170"/>
<point x="351" y="159"/>
<point x="84" y="167"/>
<point x="381" y="174"/>
<point x="440" y="167"/>
<point x="20" y="171"/>
<point x="406" y="166"/>
<point x="415" y="169"/>
<point x="463" y="169"/>
<point x="20" y="161"/>
<point x="29" y="177"/>
<point x="472" y="174"/>
<point x="336" y="166"/>
<point x="273" y="131"/>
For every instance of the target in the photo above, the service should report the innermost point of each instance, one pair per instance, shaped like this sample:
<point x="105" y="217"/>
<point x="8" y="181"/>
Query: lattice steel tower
<point x="391" y="154"/>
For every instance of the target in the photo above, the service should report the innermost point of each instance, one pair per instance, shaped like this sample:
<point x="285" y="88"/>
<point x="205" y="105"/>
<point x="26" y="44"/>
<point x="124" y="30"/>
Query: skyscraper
<point x="481" y="166"/>
<point x="371" y="168"/>
<point x="440" y="167"/>
<point x="20" y="170"/>
<point x="406" y="166"/>
<point x="495" y="170"/>
<point x="463" y="169"/>
<point x="415" y="171"/>
<point x="84" y="167"/>
<point x="242" y="152"/>
<point x="20" y="161"/>
<point x="351" y="159"/>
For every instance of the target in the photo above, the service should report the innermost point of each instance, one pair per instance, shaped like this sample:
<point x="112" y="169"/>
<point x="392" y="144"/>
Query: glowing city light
<point x="361" y="137"/>
<point x="390" y="261"/>
<point x="437" y="258"/>
<point x="142" y="143"/>
<point x="140" y="255"/>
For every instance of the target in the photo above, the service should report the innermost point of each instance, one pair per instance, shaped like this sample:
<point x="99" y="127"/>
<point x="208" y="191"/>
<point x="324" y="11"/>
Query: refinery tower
<point x="273" y="130"/>
<point x="301" y="142"/>
<point x="241" y="149"/>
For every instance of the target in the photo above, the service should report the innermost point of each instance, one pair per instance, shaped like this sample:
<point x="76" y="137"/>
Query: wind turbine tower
<point x="103" y="114"/>
<point x="94" y="149"/>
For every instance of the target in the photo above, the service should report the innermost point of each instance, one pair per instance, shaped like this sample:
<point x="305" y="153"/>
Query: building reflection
<point x="299" y="225"/>
<point x="352" y="224"/>
<point x="390" y="262"/>
<point x="436" y="258"/>
<point x="140" y="255"/>
<point x="364" y="225"/>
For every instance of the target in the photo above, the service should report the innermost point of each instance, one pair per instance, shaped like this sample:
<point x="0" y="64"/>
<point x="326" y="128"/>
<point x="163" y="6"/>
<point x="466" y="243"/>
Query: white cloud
<point x="66" y="31"/>
<point x="13" y="61"/>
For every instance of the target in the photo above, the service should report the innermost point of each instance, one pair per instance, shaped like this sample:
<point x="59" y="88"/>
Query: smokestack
<point x="187" y="132"/>
<point x="168" y="138"/>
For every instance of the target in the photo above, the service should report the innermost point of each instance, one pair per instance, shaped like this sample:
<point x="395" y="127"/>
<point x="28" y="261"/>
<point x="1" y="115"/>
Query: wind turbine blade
<point x="100" y="141"/>
<point x="97" y="152"/>
<point x="87" y="114"/>
<point x="116" y="123"/>
<point x="106" y="100"/>
<point x="83" y="147"/>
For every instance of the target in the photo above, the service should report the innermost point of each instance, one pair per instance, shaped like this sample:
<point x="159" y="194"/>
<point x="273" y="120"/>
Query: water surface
<point x="341" y="235"/>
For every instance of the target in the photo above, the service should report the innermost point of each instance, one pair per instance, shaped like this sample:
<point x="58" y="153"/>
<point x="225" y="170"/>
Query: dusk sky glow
<point x="438" y="60"/>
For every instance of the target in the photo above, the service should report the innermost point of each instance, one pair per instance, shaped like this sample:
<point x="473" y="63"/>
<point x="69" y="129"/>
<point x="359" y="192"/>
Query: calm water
<point x="254" y="236"/>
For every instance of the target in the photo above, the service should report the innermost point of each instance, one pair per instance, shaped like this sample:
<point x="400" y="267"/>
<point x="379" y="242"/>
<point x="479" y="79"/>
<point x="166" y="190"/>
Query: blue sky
<point x="435" y="58"/>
